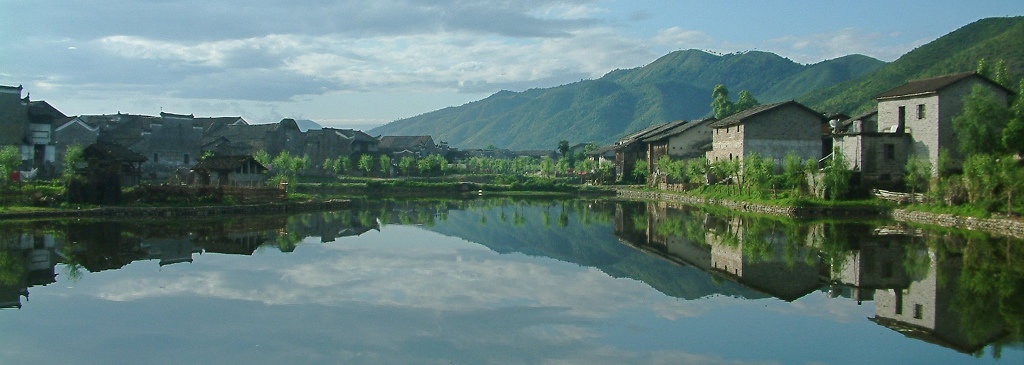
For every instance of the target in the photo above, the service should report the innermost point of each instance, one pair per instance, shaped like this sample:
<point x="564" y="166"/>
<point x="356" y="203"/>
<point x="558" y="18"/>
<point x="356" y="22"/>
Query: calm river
<point x="507" y="282"/>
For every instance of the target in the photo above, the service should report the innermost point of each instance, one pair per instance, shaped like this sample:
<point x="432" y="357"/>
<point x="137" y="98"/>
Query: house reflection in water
<point x="924" y="310"/>
<point x="874" y="262"/>
<point x="914" y="288"/>
<point x="26" y="260"/>
<point x="30" y="259"/>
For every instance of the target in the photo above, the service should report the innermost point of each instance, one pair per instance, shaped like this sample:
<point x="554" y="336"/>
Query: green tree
<point x="745" y="101"/>
<point x="837" y="175"/>
<point x="10" y="160"/>
<point x="720" y="103"/>
<point x="72" y="157"/>
<point x="262" y="157"/>
<point x="406" y="164"/>
<point x="342" y="164"/>
<point x="563" y="148"/>
<point x="793" y="172"/>
<point x="385" y="165"/>
<point x="918" y="172"/>
<point x="366" y="164"/>
<point x="981" y="122"/>
<point x="547" y="166"/>
<point x="1013" y="134"/>
<point x="640" y="173"/>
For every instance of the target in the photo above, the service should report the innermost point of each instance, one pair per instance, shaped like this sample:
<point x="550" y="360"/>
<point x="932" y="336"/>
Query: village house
<point x="771" y="131"/>
<point x="108" y="162"/>
<point x="880" y="158"/>
<point x="925" y="109"/>
<point x="230" y="171"/>
<point x="680" y="141"/>
<point x="28" y="125"/>
<point x="416" y="146"/>
<point x="631" y="149"/>
<point x="335" y="143"/>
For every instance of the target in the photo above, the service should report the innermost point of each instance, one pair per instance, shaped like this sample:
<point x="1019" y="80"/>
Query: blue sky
<point x="361" y="64"/>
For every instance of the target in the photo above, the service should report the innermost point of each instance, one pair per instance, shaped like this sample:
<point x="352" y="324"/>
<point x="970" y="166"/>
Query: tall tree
<point x="720" y="104"/>
<point x="981" y="122"/>
<point x="1013" y="134"/>
<point x="563" y="147"/>
<point x="745" y="101"/>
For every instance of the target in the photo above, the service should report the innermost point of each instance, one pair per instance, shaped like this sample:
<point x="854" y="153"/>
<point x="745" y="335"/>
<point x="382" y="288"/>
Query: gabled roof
<point x="221" y="163"/>
<point x="649" y="131"/>
<point x="743" y="116"/>
<point x="111" y="152"/>
<point x="357" y="136"/>
<point x="934" y="84"/>
<point x="398" y="143"/>
<point x="602" y="150"/>
<point x="676" y="129"/>
<point x="846" y="123"/>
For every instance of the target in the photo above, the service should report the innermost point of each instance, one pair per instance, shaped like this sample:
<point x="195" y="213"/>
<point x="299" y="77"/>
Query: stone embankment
<point x="794" y="212"/>
<point x="178" y="212"/>
<point x="998" y="226"/>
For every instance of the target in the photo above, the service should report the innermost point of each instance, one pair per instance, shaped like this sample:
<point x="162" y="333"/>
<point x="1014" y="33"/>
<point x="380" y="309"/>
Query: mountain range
<point x="679" y="86"/>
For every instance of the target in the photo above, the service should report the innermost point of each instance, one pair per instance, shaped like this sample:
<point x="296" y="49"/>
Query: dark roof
<point x="357" y="136"/>
<point x="399" y="143"/>
<point x="741" y="117"/>
<point x="934" y="84"/>
<point x="111" y="152"/>
<point x="180" y="116"/>
<point x="676" y="129"/>
<point x="602" y="150"/>
<point x="215" y="163"/>
<point x="536" y="153"/>
<point x="846" y="123"/>
<point x="657" y="128"/>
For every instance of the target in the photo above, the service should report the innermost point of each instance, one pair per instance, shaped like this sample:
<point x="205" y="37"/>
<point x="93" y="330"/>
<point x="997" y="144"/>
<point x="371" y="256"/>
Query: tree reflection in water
<point x="961" y="290"/>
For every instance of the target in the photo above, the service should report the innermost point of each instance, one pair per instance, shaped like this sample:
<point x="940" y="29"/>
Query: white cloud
<point x="679" y="38"/>
<point x="814" y="48"/>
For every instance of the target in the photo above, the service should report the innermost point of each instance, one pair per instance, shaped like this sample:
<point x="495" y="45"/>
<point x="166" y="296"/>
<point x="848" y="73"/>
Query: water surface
<point x="506" y="282"/>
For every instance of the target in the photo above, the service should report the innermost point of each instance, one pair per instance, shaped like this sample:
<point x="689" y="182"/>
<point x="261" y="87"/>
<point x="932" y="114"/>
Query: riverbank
<point x="998" y="226"/>
<point x="173" y="212"/>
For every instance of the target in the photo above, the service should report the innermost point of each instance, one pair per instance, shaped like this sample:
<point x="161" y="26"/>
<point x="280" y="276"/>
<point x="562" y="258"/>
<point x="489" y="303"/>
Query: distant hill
<point x="675" y="86"/>
<point x="678" y="86"/>
<point x="959" y="51"/>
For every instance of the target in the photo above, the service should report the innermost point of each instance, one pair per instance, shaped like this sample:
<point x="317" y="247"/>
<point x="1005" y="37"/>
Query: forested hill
<point x="676" y="86"/>
<point x="993" y="39"/>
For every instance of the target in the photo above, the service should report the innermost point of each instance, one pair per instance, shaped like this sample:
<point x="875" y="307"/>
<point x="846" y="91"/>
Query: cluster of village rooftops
<point x="912" y="120"/>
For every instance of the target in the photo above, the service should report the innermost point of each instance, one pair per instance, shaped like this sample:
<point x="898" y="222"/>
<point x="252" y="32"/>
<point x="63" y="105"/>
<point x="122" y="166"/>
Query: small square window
<point x="920" y="111"/>
<point x="918" y="311"/>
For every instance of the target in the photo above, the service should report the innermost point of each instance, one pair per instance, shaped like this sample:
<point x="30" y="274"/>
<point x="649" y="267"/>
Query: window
<point x="889" y="151"/>
<point x="185" y="159"/>
<point x="918" y="311"/>
<point x="920" y="111"/>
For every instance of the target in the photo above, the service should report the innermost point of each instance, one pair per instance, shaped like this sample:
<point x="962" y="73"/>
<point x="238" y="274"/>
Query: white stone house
<point x="925" y="109"/>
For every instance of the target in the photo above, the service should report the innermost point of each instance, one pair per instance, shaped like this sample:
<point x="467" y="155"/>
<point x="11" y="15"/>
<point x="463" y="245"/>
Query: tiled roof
<point x="753" y="111"/>
<point x="359" y="136"/>
<point x="676" y="129"/>
<point x="404" y="142"/>
<point x="934" y="84"/>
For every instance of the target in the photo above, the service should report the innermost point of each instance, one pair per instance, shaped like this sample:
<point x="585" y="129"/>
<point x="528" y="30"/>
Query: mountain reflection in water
<point x="959" y="290"/>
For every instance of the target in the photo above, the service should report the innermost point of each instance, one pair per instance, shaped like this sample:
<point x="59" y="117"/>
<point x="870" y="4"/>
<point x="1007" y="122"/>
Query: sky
<point x="361" y="64"/>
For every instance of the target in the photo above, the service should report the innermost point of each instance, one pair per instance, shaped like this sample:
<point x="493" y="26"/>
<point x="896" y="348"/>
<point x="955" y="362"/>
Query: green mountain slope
<point x="676" y="86"/>
<point x="959" y="51"/>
